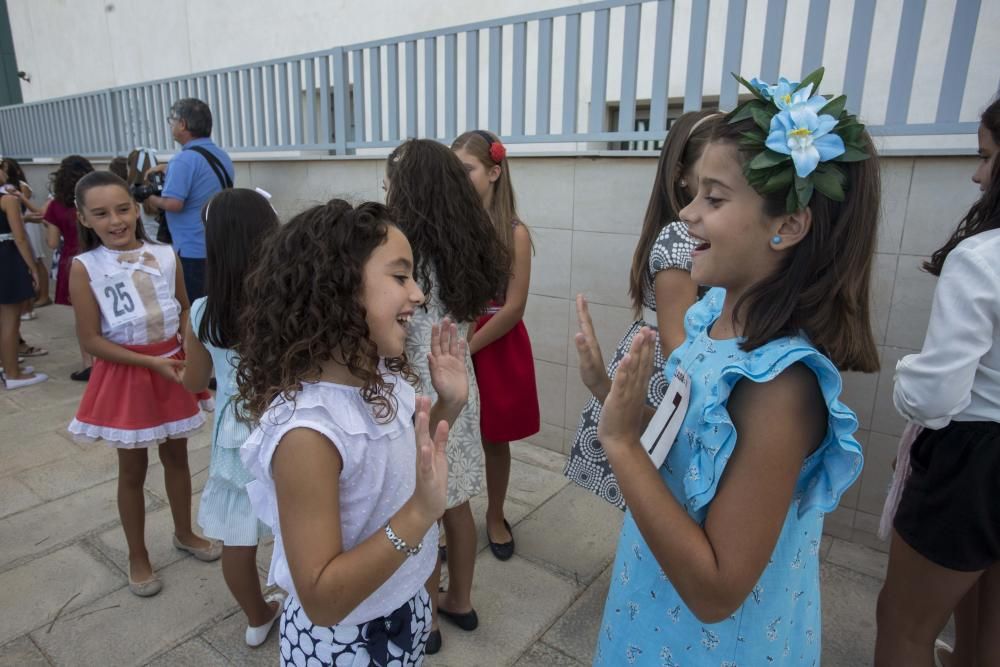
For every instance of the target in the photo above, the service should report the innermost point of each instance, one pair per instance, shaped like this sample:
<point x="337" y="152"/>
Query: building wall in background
<point x="85" y="45"/>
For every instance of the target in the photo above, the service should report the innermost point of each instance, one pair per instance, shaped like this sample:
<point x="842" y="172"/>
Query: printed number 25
<point x="120" y="298"/>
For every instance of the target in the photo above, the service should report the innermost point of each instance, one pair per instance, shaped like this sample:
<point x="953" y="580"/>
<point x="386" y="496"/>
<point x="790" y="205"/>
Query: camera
<point x="143" y="191"/>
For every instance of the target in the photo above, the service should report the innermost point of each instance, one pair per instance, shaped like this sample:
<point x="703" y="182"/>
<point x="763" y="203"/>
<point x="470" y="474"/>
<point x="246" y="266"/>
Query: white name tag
<point x="666" y="422"/>
<point x="119" y="299"/>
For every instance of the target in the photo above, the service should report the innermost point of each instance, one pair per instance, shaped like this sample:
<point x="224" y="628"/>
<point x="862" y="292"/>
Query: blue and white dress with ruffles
<point x="645" y="620"/>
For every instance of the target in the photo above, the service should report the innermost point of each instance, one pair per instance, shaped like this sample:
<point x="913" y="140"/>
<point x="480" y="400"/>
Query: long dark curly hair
<point x="63" y="180"/>
<point x="985" y="213"/>
<point x="450" y="231"/>
<point x="303" y="307"/>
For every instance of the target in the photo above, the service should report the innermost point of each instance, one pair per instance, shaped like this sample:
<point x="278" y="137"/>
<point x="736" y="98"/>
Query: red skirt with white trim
<point x="133" y="407"/>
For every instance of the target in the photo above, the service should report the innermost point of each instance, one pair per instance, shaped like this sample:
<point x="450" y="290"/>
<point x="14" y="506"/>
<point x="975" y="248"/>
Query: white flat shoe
<point x="212" y="552"/>
<point x="255" y="636"/>
<point x="27" y="370"/>
<point x="26" y="382"/>
<point x="145" y="589"/>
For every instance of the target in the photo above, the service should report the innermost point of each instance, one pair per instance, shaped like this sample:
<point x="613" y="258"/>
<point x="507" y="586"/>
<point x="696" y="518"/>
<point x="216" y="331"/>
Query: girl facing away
<point x="18" y="280"/>
<point x="661" y="289"/>
<point x="237" y="222"/>
<point x="944" y="556"/>
<point x="461" y="265"/>
<point x="500" y="347"/>
<point x="130" y="305"/>
<point x="17" y="184"/>
<point x="347" y="474"/>
<point x="718" y="559"/>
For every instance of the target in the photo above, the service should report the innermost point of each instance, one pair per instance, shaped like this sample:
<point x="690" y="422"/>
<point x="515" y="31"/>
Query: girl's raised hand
<point x="171" y="369"/>
<point x="592" y="370"/>
<point x="621" y="418"/>
<point x="447" y="364"/>
<point x="431" y="490"/>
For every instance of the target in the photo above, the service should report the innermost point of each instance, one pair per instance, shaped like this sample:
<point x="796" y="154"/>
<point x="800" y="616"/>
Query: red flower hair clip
<point x="497" y="151"/>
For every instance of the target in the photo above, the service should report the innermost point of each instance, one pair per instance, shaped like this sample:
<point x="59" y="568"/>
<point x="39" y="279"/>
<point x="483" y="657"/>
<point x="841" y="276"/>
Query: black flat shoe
<point x="468" y="621"/>
<point x="81" y="376"/>
<point x="433" y="643"/>
<point x="502" y="551"/>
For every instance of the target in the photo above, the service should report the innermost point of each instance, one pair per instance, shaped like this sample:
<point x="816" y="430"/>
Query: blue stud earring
<point x="776" y="240"/>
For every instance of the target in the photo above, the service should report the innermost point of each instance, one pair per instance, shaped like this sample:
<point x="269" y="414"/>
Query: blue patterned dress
<point x="645" y="620"/>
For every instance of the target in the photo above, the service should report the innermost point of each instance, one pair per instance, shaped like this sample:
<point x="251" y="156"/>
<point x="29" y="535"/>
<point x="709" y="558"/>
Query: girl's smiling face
<point x="727" y="217"/>
<point x="389" y="293"/>
<point x="110" y="211"/>
<point x="987" y="154"/>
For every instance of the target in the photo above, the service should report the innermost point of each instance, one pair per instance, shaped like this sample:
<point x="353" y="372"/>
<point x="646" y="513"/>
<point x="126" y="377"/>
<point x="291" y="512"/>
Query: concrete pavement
<point x="63" y="575"/>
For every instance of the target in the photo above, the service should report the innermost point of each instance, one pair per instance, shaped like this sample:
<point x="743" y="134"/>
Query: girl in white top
<point x="130" y="303"/>
<point x="945" y="552"/>
<point x="347" y="474"/>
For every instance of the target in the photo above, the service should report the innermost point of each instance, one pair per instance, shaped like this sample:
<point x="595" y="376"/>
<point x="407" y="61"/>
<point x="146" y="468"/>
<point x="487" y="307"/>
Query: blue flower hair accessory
<point x="801" y="137"/>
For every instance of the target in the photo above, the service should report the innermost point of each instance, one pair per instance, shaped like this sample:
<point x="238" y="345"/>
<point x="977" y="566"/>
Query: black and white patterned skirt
<point x="395" y="640"/>
<point x="587" y="464"/>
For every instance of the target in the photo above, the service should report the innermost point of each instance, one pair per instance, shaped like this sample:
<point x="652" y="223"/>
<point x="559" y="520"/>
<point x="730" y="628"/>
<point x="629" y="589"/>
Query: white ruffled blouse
<point x="378" y="476"/>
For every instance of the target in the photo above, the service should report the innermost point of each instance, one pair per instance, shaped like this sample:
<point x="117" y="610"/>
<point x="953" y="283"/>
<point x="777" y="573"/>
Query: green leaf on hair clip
<point x="745" y="110"/>
<point x="835" y="107"/>
<point x="851" y="134"/>
<point x="791" y="201"/>
<point x="852" y="154"/>
<point x="803" y="191"/>
<point x="753" y="140"/>
<point x="762" y="117"/>
<point x="768" y="158"/>
<point x="780" y="180"/>
<point x="830" y="182"/>
<point x="746" y="84"/>
<point x="814" y="78"/>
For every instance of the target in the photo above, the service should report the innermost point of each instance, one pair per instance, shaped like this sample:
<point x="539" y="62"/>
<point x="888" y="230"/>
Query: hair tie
<point x="497" y="150"/>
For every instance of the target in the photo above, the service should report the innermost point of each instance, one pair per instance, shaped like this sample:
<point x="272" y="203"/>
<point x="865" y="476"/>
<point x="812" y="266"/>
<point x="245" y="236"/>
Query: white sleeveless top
<point x="378" y="476"/>
<point x="151" y="269"/>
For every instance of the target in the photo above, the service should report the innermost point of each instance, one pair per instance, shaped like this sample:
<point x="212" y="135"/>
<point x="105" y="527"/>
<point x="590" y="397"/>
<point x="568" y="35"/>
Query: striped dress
<point x="225" y="513"/>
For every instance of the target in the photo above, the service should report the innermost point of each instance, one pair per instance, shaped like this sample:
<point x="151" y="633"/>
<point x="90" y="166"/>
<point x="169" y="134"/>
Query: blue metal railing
<point x="374" y="94"/>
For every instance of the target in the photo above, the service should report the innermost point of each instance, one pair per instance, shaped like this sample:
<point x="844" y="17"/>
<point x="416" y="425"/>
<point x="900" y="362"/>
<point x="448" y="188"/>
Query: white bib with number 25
<point x="118" y="298"/>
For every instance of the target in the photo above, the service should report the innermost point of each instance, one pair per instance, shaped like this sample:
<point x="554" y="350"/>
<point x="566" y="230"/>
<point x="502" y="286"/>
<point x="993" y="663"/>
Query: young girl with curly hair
<point x="348" y="476"/>
<point x="461" y="264"/>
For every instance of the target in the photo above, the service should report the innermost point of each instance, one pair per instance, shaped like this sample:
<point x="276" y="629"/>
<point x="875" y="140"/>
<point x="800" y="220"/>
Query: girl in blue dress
<point x="718" y="559"/>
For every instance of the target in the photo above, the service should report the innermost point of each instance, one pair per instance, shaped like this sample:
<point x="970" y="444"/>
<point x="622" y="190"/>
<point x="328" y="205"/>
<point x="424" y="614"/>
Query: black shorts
<point x="950" y="509"/>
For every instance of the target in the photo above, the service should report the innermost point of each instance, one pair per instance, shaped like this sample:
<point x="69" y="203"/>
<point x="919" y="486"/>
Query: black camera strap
<point x="216" y="165"/>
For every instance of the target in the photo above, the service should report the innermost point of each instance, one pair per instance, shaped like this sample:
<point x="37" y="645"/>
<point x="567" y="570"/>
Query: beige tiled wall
<point x="585" y="214"/>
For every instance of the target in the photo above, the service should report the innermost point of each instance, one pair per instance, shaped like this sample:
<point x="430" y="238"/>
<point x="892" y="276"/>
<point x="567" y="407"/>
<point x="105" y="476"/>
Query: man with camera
<point x="194" y="175"/>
